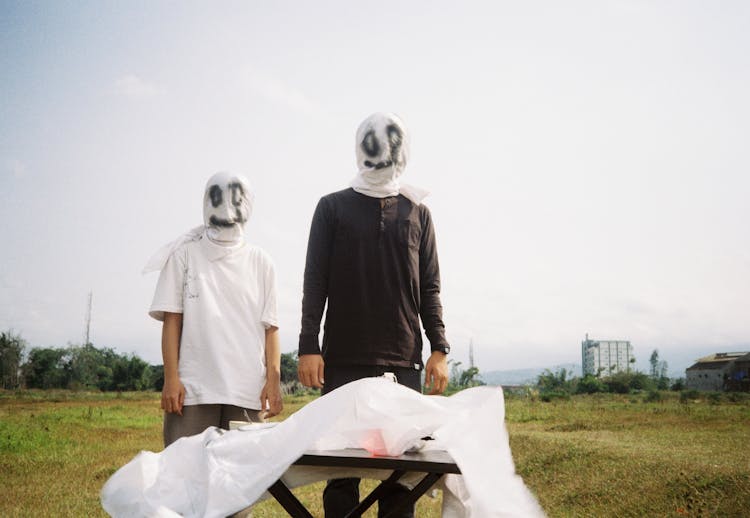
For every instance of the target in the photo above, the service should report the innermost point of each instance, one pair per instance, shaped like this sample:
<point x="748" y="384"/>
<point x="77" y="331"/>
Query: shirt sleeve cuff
<point x="438" y="342"/>
<point x="308" y="344"/>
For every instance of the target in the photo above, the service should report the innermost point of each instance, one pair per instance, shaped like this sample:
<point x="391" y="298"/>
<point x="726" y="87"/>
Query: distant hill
<point x="525" y="376"/>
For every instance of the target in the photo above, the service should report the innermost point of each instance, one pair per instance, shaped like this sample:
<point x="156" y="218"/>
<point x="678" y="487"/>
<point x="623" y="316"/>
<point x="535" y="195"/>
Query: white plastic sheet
<point x="218" y="473"/>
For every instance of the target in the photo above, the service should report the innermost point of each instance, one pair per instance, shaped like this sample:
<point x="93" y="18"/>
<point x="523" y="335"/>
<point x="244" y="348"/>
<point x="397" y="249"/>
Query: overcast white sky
<point x="588" y="161"/>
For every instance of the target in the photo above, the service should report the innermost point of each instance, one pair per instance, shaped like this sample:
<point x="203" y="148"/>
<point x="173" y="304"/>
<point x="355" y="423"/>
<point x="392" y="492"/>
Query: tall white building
<point x="605" y="357"/>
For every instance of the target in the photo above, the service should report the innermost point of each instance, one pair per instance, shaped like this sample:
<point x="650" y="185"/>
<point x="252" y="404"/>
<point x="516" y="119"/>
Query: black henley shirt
<point x="376" y="264"/>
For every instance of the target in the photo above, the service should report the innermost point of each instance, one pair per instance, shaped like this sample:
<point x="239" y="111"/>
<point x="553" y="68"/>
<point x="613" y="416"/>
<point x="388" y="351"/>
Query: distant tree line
<point x="73" y="367"/>
<point x="86" y="367"/>
<point x="563" y="383"/>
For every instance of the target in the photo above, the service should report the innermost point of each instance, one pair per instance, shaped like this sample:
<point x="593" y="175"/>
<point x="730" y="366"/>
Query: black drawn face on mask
<point x="226" y="202"/>
<point x="387" y="153"/>
<point x="382" y="142"/>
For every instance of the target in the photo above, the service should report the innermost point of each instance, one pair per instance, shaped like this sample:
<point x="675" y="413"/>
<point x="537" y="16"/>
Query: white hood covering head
<point x="227" y="205"/>
<point x="382" y="149"/>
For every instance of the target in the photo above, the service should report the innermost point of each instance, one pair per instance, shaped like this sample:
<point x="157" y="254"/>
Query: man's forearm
<point x="170" y="344"/>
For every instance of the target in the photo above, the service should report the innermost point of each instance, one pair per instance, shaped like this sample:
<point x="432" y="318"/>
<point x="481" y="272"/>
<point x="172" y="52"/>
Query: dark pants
<point x="196" y="418"/>
<point x="342" y="495"/>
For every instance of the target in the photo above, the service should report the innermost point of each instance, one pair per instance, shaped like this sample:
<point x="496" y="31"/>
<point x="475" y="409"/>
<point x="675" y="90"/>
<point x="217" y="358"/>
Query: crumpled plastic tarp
<point x="217" y="473"/>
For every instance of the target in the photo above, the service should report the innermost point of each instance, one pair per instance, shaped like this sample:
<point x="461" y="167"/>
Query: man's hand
<point x="270" y="400"/>
<point x="310" y="370"/>
<point x="436" y="373"/>
<point x="172" y="396"/>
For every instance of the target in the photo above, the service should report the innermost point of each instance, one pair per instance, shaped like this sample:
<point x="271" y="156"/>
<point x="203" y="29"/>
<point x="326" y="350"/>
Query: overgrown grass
<point x="597" y="455"/>
<point x="609" y="455"/>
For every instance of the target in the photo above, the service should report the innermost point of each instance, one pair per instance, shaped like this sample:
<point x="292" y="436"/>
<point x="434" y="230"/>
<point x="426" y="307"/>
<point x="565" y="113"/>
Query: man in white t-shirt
<point x="216" y="297"/>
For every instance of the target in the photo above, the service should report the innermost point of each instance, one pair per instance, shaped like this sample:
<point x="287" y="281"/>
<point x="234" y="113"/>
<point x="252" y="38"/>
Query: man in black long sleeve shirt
<point x="376" y="263"/>
<point x="372" y="257"/>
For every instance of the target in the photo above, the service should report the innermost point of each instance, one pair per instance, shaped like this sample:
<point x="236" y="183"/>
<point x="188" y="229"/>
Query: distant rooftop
<point x="717" y="360"/>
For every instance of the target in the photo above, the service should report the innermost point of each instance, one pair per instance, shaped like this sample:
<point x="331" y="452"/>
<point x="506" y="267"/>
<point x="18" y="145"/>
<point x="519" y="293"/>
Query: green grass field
<point x="599" y="455"/>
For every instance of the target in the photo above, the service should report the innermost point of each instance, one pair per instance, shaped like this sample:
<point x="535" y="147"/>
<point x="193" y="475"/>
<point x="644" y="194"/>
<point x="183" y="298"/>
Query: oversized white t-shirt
<point x="227" y="296"/>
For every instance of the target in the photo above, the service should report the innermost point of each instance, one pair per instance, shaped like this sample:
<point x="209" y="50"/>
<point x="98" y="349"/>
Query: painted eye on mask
<point x="395" y="138"/>
<point x="236" y="192"/>
<point x="370" y="144"/>
<point x="215" y="195"/>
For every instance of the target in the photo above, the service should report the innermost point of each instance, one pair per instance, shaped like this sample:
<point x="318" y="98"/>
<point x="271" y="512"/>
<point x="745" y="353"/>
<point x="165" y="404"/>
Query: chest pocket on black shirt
<point x="409" y="233"/>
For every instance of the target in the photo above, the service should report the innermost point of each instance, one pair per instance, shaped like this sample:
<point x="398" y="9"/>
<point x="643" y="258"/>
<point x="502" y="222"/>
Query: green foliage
<point x="460" y="379"/>
<point x="658" y="371"/>
<point x="618" y="383"/>
<point x="86" y="367"/>
<point x="639" y="381"/>
<point x="654" y="361"/>
<point x="590" y="384"/>
<point x="157" y="377"/>
<point x="678" y="385"/>
<point x="653" y="396"/>
<point x="624" y="382"/>
<point x="468" y="378"/>
<point x="552" y="385"/>
<point x="45" y="368"/>
<point x="289" y="367"/>
<point x="549" y="382"/>
<point x="12" y="347"/>
<point x="554" y="395"/>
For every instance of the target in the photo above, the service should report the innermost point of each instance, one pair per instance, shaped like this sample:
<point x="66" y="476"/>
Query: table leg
<point x="288" y="501"/>
<point x="370" y="499"/>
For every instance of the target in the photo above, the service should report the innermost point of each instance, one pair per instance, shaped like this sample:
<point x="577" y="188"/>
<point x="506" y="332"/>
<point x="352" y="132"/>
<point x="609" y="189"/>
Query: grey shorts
<point x="196" y="418"/>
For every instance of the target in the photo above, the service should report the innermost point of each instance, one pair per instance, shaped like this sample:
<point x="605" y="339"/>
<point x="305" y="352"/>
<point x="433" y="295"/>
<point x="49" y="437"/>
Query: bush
<point x="550" y="381"/>
<point x="590" y="384"/>
<point x="714" y="398"/>
<point x="618" y="383"/>
<point x="653" y="396"/>
<point x="624" y="382"/>
<point x="554" y="395"/>
<point x="678" y="385"/>
<point x="639" y="381"/>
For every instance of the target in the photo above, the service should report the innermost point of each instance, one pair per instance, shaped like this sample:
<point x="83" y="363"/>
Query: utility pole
<point x="87" y="340"/>
<point x="471" y="352"/>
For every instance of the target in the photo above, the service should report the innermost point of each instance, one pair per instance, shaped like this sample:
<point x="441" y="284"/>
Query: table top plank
<point x="428" y="461"/>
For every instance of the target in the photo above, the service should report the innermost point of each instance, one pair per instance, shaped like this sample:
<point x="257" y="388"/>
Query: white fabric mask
<point x="382" y="149"/>
<point x="227" y="205"/>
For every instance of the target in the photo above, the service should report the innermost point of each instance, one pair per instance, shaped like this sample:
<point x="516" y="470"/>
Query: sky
<point x="587" y="160"/>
